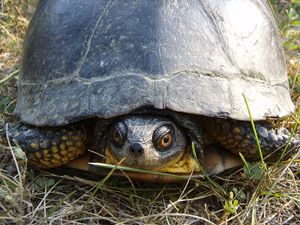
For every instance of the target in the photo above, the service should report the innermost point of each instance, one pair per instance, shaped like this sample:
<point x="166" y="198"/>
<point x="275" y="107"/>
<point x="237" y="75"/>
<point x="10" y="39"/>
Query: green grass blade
<point x="100" y="185"/>
<point x="219" y="189"/>
<point x="130" y="169"/>
<point x="255" y="133"/>
<point x="9" y="77"/>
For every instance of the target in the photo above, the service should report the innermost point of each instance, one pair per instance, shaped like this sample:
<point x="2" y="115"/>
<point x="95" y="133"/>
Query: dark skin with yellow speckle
<point x="56" y="146"/>
<point x="50" y="147"/>
<point x="237" y="137"/>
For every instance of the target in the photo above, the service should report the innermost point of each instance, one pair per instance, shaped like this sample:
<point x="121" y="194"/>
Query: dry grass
<point x="33" y="197"/>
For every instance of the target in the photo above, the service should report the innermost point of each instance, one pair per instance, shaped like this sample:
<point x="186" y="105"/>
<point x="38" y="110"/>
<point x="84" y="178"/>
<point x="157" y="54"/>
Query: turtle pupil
<point x="166" y="139"/>
<point x="163" y="137"/>
<point x="118" y="134"/>
<point x="117" y="137"/>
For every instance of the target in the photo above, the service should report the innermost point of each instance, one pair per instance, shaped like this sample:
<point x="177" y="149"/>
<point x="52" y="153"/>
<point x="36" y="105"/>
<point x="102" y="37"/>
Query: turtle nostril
<point x="136" y="150"/>
<point x="131" y="150"/>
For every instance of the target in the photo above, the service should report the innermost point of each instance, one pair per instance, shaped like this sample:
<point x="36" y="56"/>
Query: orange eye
<point x="117" y="137"/>
<point x="166" y="141"/>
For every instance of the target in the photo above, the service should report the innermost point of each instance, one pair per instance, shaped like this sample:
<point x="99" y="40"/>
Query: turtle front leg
<point x="237" y="137"/>
<point x="50" y="146"/>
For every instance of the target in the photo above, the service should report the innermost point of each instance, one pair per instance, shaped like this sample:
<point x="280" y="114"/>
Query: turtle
<point x="141" y="82"/>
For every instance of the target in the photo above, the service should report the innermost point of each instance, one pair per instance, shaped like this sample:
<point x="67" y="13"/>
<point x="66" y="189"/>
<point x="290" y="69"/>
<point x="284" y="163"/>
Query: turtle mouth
<point x="184" y="164"/>
<point x="183" y="167"/>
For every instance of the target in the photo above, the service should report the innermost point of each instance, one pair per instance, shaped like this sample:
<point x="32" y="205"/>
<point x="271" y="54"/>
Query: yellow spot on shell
<point x="46" y="164"/>
<point x="47" y="155"/>
<point x="76" y="137"/>
<point x="64" y="137"/>
<point x="65" y="160"/>
<point x="55" y="161"/>
<point x="237" y="131"/>
<point x="63" y="152"/>
<point x="33" y="145"/>
<point x="56" y="156"/>
<point x="38" y="155"/>
<point x="69" y="143"/>
<point x="46" y="151"/>
<point x="47" y="159"/>
<point x="55" y="149"/>
<point x="73" y="149"/>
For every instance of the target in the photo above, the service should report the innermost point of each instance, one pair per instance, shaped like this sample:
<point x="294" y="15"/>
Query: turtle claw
<point x="274" y="140"/>
<point x="237" y="137"/>
<point x="48" y="147"/>
<point x="18" y="133"/>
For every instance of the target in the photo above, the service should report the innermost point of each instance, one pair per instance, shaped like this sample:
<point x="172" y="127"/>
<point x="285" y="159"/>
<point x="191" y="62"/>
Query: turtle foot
<point x="275" y="140"/>
<point x="238" y="137"/>
<point x="50" y="146"/>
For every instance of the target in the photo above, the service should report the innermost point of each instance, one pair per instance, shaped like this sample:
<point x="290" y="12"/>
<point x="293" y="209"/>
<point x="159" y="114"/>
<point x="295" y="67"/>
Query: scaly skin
<point x="56" y="146"/>
<point x="237" y="137"/>
<point x="49" y="147"/>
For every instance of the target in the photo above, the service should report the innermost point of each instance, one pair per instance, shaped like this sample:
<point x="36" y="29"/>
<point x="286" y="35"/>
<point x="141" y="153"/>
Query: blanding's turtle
<point x="139" y="81"/>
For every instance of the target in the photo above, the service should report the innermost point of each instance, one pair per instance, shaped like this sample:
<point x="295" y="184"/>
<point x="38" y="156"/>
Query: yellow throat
<point x="185" y="164"/>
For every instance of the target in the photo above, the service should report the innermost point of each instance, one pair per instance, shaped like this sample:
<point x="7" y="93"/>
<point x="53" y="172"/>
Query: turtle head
<point x="145" y="142"/>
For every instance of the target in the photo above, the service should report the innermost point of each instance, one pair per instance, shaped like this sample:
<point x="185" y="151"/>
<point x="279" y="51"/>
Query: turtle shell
<point x="95" y="58"/>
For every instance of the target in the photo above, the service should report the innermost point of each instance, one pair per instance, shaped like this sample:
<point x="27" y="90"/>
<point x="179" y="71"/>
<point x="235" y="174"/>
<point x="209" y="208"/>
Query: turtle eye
<point x="118" y="134"/>
<point x="117" y="137"/>
<point x="163" y="138"/>
<point x="166" y="141"/>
